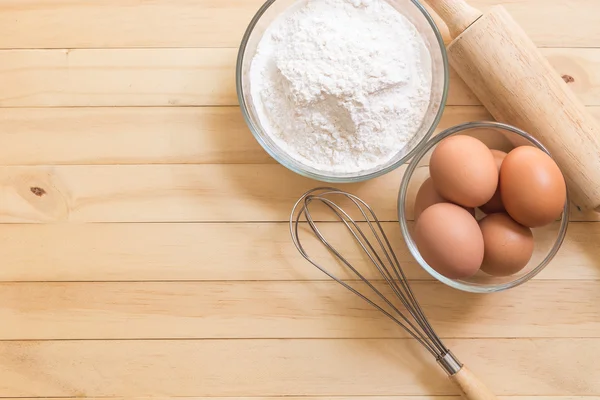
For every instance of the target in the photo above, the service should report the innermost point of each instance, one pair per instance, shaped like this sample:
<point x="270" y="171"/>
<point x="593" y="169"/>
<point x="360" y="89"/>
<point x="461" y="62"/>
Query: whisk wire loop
<point x="384" y="260"/>
<point x="355" y="230"/>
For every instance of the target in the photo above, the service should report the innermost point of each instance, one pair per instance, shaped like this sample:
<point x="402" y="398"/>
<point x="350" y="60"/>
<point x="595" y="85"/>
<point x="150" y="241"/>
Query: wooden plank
<point x="433" y="397"/>
<point x="116" y="23"/>
<point x="533" y="15"/>
<point x="123" y="135"/>
<point x="576" y="68"/>
<point x="145" y="135"/>
<point x="209" y="310"/>
<point x="179" y="193"/>
<point x="209" y="252"/>
<point x="186" y="77"/>
<point x="214" y="23"/>
<point x="148" y="135"/>
<point x="293" y="367"/>
<point x="166" y="193"/>
<point x="99" y="77"/>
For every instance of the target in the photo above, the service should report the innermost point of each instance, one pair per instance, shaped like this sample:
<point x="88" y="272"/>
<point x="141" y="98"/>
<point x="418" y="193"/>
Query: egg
<point x="508" y="245"/>
<point x="426" y="196"/>
<point x="464" y="171"/>
<point x="449" y="240"/>
<point x="532" y="187"/>
<point x="495" y="204"/>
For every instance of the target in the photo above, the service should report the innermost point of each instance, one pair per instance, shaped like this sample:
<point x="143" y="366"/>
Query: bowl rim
<point x="324" y="177"/>
<point x="402" y="217"/>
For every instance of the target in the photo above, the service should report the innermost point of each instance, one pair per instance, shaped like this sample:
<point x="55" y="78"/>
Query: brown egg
<point x="449" y="240"/>
<point x="463" y="171"/>
<point x="508" y="245"/>
<point x="495" y="204"/>
<point x="426" y="196"/>
<point x="532" y="187"/>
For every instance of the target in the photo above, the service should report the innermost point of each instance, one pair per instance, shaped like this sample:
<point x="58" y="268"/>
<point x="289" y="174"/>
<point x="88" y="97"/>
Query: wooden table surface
<point x="144" y="247"/>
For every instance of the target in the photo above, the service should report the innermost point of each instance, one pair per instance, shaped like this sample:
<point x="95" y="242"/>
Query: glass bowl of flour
<point x="342" y="90"/>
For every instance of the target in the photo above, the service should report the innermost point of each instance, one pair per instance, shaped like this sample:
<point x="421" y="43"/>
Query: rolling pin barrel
<point x="518" y="86"/>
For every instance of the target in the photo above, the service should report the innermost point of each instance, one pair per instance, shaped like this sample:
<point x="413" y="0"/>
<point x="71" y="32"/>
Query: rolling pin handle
<point x="457" y="14"/>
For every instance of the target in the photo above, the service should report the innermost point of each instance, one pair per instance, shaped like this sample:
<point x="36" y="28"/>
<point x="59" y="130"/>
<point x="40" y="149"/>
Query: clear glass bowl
<point x="547" y="240"/>
<point x="421" y="19"/>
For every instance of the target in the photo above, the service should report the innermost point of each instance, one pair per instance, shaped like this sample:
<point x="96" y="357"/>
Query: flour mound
<point x="341" y="85"/>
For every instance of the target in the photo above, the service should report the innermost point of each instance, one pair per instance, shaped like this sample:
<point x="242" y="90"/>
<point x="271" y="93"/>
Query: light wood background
<point x="143" y="245"/>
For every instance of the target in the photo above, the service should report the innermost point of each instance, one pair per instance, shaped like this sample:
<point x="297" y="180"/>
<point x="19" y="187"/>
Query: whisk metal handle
<point x="471" y="387"/>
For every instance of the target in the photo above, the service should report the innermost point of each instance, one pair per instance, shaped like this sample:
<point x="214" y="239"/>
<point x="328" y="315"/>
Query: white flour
<point x="341" y="85"/>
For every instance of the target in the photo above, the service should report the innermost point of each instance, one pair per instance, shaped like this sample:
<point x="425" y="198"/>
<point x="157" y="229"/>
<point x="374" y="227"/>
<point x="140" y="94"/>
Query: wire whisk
<point x="402" y="308"/>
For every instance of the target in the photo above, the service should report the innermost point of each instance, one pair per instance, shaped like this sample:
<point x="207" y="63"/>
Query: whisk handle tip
<point x="471" y="387"/>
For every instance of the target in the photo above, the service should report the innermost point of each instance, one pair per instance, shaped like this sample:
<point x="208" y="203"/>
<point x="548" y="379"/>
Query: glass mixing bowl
<point x="547" y="240"/>
<point x="420" y="18"/>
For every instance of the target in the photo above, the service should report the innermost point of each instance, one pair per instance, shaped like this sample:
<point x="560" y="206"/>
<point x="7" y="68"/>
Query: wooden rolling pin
<point x="518" y="86"/>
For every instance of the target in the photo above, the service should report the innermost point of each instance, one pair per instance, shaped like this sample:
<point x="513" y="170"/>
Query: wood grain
<point x="185" y="77"/>
<point x="166" y="193"/>
<point x="292" y="367"/>
<point x="472" y="387"/>
<point x="321" y="397"/>
<point x="215" y="23"/>
<point x="457" y="16"/>
<point x="121" y="77"/>
<point x="210" y="252"/>
<point x="115" y="23"/>
<point x="575" y="68"/>
<point x="208" y="310"/>
<point x="123" y="135"/>
<point x="156" y="274"/>
<point x="145" y="135"/>
<point x="180" y="193"/>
